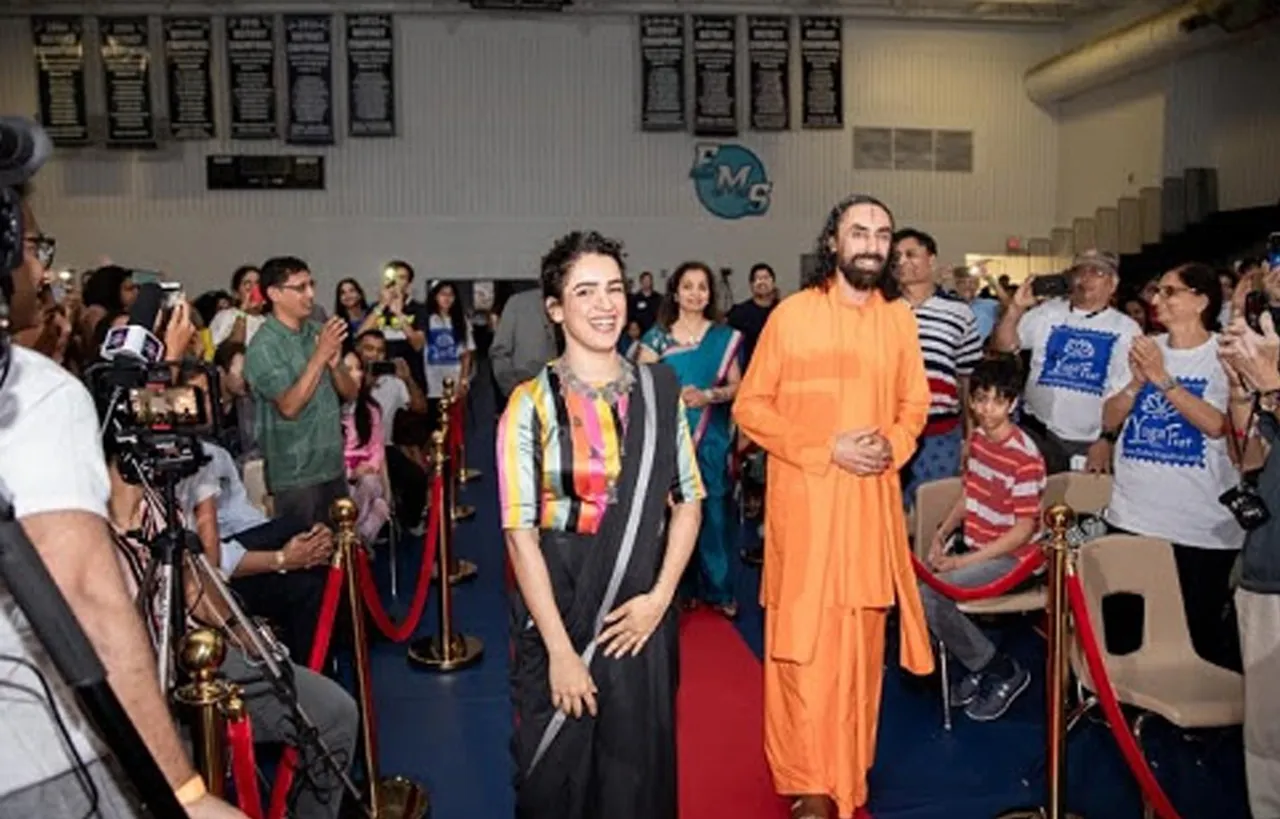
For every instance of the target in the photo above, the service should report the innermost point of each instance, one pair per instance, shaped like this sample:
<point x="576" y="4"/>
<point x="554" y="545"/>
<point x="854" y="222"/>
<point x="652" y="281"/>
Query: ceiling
<point x="1009" y="11"/>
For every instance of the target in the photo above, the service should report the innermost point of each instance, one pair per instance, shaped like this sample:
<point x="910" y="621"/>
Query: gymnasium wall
<point x="513" y="131"/>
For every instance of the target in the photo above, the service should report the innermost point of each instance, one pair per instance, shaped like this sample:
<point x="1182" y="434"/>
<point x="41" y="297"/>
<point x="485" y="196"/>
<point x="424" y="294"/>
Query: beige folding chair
<point x="1164" y="676"/>
<point x="1084" y="492"/>
<point x="933" y="501"/>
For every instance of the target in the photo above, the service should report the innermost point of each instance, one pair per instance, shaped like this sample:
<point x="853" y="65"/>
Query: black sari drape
<point x="620" y="764"/>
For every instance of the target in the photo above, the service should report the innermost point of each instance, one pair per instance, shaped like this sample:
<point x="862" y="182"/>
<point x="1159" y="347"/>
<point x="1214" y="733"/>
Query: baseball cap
<point x="1101" y="260"/>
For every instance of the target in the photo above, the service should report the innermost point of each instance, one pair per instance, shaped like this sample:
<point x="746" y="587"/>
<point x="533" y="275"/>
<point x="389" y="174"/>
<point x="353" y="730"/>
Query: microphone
<point x="24" y="147"/>
<point x="135" y="341"/>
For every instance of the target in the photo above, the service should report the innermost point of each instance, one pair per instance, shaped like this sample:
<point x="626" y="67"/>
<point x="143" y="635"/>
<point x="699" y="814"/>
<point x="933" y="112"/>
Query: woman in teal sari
<point x="703" y="352"/>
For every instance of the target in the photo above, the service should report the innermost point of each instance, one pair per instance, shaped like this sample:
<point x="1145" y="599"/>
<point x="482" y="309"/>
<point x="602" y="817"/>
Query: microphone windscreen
<point x="146" y="307"/>
<point x="24" y="147"/>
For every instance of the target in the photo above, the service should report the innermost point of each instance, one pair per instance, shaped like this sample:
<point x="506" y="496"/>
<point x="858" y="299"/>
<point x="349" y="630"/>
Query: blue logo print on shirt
<point x="1158" y="433"/>
<point x="441" y="348"/>
<point x="1077" y="358"/>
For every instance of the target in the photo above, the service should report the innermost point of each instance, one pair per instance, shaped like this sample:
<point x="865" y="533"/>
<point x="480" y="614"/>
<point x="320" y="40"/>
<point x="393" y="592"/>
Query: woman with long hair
<point x="351" y="305"/>
<point x="690" y="339"/>
<point x="1169" y="404"/>
<point x="450" y="345"/>
<point x="599" y="492"/>
<point x="365" y="451"/>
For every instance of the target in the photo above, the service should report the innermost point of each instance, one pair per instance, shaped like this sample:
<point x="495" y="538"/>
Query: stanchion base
<point x="468" y="475"/>
<point x="429" y="652"/>
<point x="1033" y="813"/>
<point x="463" y="571"/>
<point x="401" y="798"/>
<point x="463" y="511"/>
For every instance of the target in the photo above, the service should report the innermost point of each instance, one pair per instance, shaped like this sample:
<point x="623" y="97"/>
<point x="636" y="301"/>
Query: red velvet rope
<point x="244" y="770"/>
<point x="319" y="651"/>
<point x="1088" y="638"/>
<point x="398" y="633"/>
<point x="1028" y="562"/>
<point x="455" y="427"/>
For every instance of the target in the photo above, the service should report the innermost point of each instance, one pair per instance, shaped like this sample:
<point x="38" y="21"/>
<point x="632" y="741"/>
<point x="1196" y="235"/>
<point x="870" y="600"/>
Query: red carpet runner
<point x="720" y="725"/>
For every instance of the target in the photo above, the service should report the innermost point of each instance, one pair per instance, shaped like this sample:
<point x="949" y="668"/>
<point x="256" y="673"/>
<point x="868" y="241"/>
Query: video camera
<point x="155" y="415"/>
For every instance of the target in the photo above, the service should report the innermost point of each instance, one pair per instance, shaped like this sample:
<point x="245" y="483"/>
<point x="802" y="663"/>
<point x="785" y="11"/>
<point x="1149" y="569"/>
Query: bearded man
<point x="836" y="395"/>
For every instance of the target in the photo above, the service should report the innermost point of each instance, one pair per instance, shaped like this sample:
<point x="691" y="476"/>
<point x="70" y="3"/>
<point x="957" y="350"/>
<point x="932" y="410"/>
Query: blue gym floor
<point x="451" y="731"/>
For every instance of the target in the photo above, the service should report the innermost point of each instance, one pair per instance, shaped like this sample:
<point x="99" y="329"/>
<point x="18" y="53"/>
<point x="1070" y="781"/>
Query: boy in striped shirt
<point x="980" y="540"/>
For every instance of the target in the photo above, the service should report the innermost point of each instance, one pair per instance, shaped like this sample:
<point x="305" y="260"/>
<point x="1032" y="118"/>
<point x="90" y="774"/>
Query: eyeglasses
<point x="1168" y="291"/>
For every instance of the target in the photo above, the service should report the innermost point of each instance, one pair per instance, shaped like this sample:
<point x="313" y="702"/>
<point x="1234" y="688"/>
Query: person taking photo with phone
<point x="1077" y="341"/>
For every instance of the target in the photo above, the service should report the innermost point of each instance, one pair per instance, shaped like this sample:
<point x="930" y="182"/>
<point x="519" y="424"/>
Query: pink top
<point x="374" y="452"/>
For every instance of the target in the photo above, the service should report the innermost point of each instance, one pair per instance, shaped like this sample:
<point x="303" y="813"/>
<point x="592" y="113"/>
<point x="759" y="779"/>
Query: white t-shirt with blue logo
<point x="442" y="355"/>
<point x="1074" y="355"/>
<point x="1169" y="474"/>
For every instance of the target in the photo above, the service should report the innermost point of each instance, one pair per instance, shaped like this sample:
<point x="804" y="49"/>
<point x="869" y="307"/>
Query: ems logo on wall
<point x="731" y="182"/>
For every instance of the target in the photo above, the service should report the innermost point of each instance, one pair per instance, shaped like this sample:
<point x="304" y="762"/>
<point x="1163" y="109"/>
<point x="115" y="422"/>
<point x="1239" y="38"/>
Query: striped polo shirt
<point x="1003" y="482"/>
<point x="952" y="347"/>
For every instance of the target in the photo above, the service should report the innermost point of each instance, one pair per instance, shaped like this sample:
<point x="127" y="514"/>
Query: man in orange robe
<point x="836" y="395"/>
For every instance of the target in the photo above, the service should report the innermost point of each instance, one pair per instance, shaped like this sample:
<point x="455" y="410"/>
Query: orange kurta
<point x="836" y="550"/>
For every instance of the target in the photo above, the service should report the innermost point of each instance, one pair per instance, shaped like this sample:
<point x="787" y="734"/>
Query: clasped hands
<point x="628" y="628"/>
<point x="862" y="452"/>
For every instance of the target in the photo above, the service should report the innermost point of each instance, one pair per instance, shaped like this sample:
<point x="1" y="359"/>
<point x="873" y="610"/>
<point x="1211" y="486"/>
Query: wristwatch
<point x="280" y="567"/>
<point x="1167" y="383"/>
<point x="1109" y="435"/>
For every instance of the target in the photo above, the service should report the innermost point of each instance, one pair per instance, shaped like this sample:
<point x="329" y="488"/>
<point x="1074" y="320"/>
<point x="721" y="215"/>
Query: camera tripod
<point x="171" y="548"/>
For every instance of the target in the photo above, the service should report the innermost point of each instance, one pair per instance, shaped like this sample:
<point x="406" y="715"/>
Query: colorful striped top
<point x="560" y="453"/>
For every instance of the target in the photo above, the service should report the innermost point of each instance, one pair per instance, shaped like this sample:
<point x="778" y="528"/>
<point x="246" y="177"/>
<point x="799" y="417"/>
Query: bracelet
<point x="192" y="791"/>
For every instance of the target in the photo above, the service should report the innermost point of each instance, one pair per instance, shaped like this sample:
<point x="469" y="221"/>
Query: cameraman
<point x="1252" y="361"/>
<point x="53" y="474"/>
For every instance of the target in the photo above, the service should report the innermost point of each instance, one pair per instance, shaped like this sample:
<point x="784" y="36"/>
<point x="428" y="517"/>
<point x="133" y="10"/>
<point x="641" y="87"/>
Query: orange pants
<point x="820" y="718"/>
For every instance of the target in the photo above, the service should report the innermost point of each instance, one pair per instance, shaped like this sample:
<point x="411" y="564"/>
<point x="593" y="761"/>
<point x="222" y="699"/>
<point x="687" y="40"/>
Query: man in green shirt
<point x="294" y="367"/>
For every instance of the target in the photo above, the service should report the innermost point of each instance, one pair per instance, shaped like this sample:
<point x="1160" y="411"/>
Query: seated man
<point x="977" y="543"/>
<point x="276" y="566"/>
<point x="135" y="518"/>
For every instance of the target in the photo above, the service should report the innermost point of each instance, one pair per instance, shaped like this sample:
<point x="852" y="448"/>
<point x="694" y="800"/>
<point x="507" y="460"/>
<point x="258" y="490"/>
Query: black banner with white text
<point x="126" y="81"/>
<point x="58" y="44"/>
<point x="662" y="73"/>
<point x="715" y="76"/>
<point x="371" y="75"/>
<point x="251" y="72"/>
<point x="188" y="54"/>
<point x="308" y="60"/>
<point x="822" y="72"/>
<point x="769" y="70"/>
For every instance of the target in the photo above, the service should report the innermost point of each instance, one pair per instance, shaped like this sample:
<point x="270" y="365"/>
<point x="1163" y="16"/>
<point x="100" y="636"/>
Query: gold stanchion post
<point x="1059" y="551"/>
<point x="460" y="570"/>
<point x="201" y="654"/>
<point x="448" y="651"/>
<point x="395" y="797"/>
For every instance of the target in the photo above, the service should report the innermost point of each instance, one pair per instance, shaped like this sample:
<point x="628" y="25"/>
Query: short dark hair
<point x="243" y="270"/>
<point x="567" y="250"/>
<point x="1001" y="372"/>
<point x="277" y="270"/>
<point x="925" y="240"/>
<point x="402" y="264"/>
<point x="751" y="274"/>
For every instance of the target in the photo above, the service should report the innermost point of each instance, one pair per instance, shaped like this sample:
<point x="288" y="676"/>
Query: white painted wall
<point x="516" y="131"/>
<point x="1110" y="144"/>
<point x="1218" y="109"/>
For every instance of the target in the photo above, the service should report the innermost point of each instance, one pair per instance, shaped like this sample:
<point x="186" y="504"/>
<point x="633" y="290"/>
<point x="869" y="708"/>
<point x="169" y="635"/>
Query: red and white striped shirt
<point x="1004" y="481"/>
